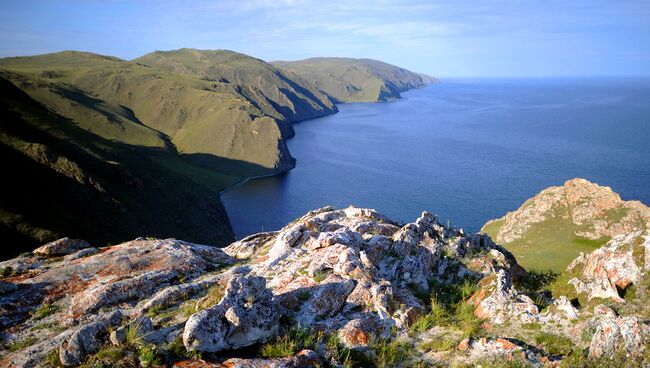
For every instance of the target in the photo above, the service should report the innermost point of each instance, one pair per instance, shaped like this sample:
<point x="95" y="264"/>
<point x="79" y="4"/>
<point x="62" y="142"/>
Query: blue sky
<point x="442" y="38"/>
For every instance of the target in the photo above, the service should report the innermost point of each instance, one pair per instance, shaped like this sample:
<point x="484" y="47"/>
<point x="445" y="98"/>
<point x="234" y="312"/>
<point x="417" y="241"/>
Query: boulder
<point x="498" y="301"/>
<point x="87" y="339"/>
<point x="61" y="247"/>
<point x="613" y="334"/>
<point x="246" y="315"/>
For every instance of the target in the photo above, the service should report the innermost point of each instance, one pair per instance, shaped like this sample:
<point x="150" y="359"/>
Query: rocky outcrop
<point x="498" y="301"/>
<point x="596" y="211"/>
<point x="61" y="247"/>
<point x="609" y="270"/>
<point x="335" y="285"/>
<point x="246" y="315"/>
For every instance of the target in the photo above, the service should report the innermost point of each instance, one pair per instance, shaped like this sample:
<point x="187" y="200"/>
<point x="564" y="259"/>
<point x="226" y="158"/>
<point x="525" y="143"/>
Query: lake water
<point x="468" y="150"/>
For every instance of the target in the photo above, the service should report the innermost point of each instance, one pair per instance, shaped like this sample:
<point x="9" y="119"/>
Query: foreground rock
<point x="333" y="287"/>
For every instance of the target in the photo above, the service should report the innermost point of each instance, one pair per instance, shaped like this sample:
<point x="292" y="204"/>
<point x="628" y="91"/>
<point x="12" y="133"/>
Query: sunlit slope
<point x="65" y="181"/>
<point x="279" y="94"/>
<point x="356" y="80"/>
<point x="549" y="230"/>
<point x="134" y="103"/>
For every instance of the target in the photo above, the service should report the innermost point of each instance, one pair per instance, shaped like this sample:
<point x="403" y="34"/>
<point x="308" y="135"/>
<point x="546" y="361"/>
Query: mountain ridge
<point x="212" y="117"/>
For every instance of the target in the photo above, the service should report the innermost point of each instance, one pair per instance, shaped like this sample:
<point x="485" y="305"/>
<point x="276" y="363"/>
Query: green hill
<point x="356" y="80"/>
<point x="279" y="94"/>
<point x="207" y="121"/>
<point x="143" y="147"/>
<point x="551" y="229"/>
<point x="65" y="181"/>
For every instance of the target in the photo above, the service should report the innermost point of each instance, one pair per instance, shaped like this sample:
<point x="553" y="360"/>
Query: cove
<point x="467" y="150"/>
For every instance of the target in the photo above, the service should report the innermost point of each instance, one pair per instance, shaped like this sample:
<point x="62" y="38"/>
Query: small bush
<point x="319" y="276"/>
<point x="6" y="271"/>
<point x="294" y="340"/>
<point x="390" y="353"/>
<point x="279" y="348"/>
<point x="149" y="356"/>
<point x="52" y="358"/>
<point x="531" y="326"/>
<point x="212" y="298"/>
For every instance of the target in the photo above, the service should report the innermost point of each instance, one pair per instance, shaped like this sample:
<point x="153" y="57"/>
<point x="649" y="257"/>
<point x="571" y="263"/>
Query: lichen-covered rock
<point x="498" y="301"/>
<point x="501" y="349"/>
<point x="616" y="265"/>
<point x="350" y="276"/>
<point x="246" y="315"/>
<point x="584" y="204"/>
<point x="61" y="247"/>
<point x="87" y="339"/>
<point x="614" y="334"/>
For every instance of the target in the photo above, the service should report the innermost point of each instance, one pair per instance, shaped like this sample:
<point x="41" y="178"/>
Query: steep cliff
<point x="356" y="80"/>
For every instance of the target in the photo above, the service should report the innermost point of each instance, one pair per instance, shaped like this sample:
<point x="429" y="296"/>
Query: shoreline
<point x="249" y="178"/>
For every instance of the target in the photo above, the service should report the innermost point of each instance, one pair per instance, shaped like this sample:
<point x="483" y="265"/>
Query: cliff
<point x="343" y="287"/>
<point x="356" y="80"/>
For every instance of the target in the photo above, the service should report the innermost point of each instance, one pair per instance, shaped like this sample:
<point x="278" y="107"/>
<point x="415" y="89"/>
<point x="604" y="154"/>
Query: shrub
<point x="389" y="353"/>
<point x="52" y="358"/>
<point x="149" y="356"/>
<point x="213" y="297"/>
<point x="294" y="340"/>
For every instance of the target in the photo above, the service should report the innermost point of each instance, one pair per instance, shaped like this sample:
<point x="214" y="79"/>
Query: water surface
<point x="468" y="150"/>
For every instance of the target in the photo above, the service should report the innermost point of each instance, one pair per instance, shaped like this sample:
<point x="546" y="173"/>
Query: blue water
<point x="468" y="150"/>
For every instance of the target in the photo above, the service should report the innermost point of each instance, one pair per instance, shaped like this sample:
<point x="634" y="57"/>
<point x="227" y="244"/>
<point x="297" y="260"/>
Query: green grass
<point x="21" y="344"/>
<point x="548" y="245"/>
<point x="554" y="344"/>
<point x="45" y="310"/>
<point x="449" y="307"/>
<point x="439" y="343"/>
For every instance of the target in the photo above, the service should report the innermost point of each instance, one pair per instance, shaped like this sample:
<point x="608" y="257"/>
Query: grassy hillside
<point x="279" y="94"/>
<point x="356" y="80"/>
<point x="66" y="181"/>
<point x="137" y="104"/>
<point x="551" y="229"/>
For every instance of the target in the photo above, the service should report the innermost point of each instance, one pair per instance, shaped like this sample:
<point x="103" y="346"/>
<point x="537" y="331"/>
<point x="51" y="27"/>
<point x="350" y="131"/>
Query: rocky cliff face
<point x="578" y="216"/>
<point x="343" y="287"/>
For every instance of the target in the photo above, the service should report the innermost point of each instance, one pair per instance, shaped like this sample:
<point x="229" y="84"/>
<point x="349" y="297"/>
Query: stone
<point x="87" y="339"/>
<point x="61" y="247"/>
<point x="246" y="315"/>
<point x="498" y="301"/>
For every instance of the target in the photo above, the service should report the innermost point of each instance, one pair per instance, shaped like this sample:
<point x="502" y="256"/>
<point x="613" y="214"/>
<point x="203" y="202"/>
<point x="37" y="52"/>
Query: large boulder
<point x="498" y="301"/>
<point x="621" y="262"/>
<point x="88" y="339"/>
<point x="61" y="247"/>
<point x="247" y="314"/>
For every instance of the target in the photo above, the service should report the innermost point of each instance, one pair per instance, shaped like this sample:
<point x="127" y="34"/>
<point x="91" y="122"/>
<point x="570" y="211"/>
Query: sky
<point x="455" y="38"/>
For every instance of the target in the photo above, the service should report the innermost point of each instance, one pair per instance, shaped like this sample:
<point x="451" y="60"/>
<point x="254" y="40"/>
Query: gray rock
<point x="246" y="315"/>
<point x="87" y="339"/>
<point x="61" y="247"/>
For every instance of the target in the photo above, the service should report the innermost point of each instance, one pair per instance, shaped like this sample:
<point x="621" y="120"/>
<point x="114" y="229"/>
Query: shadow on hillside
<point x="66" y="181"/>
